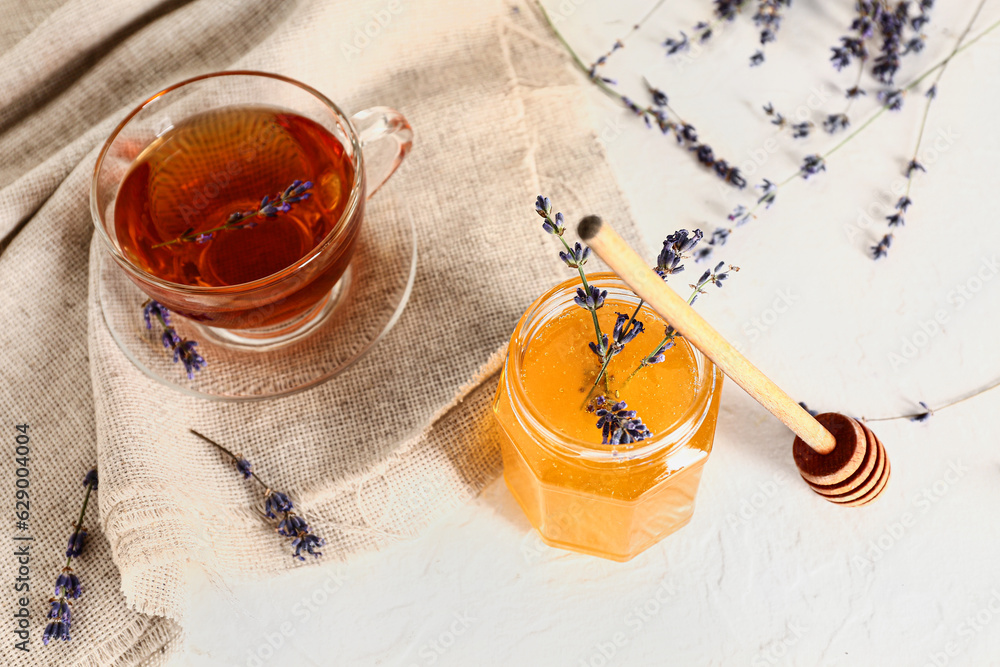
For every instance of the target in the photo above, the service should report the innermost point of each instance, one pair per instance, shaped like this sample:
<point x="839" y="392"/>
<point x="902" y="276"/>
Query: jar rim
<point x="555" y="301"/>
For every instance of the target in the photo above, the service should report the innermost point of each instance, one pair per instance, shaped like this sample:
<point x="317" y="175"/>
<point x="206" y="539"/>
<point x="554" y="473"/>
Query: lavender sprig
<point x="555" y="225"/>
<point x="618" y="424"/>
<point x="898" y="217"/>
<point x="799" y="130"/>
<point x="68" y="585"/>
<point x="767" y="17"/>
<point x="768" y="20"/>
<point x="588" y="296"/>
<point x="278" y="507"/>
<point x="810" y="166"/>
<point x="656" y="115"/>
<point x="182" y="348"/>
<point x="269" y="207"/>
<point x="715" y="276"/>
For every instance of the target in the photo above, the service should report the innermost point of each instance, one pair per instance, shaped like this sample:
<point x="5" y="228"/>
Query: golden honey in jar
<point x="606" y="500"/>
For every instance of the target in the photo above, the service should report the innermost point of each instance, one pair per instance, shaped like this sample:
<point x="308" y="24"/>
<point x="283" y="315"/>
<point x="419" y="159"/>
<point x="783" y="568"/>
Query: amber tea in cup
<point x="179" y="198"/>
<point x="193" y="177"/>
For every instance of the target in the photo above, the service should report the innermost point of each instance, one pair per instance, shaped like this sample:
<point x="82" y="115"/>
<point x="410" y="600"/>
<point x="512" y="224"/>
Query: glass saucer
<point x="360" y="310"/>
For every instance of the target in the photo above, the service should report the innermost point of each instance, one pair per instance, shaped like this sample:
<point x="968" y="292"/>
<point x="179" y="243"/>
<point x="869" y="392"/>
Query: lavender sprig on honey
<point x="278" y="508"/>
<point x="182" y="348"/>
<point x="588" y="296"/>
<point x="68" y="586"/>
<point x="675" y="248"/>
<point x="575" y="257"/>
<point x="269" y="207"/>
<point x="618" y="424"/>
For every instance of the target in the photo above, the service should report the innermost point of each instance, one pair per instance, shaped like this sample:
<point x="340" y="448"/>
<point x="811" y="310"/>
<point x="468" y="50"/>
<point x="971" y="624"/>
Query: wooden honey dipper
<point x="839" y="457"/>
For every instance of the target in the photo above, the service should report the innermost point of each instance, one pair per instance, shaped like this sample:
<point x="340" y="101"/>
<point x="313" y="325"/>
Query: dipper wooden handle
<point x="829" y="451"/>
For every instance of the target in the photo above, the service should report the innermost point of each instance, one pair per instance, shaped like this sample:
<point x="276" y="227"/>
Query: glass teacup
<point x="235" y="199"/>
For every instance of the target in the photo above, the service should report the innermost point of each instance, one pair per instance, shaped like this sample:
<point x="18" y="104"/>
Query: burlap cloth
<point x="374" y="455"/>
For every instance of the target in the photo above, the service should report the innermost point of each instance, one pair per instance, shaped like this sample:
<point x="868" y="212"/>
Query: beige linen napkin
<point x="499" y="118"/>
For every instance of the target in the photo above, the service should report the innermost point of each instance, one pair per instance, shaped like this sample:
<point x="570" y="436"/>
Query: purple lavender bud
<point x="277" y="503"/>
<point x="812" y="165"/>
<point x="576" y="256"/>
<point x="590" y="300"/>
<point x="676" y="45"/>
<point x="292" y="525"/>
<point x="923" y="416"/>
<point x="68" y="585"/>
<point x="185" y="353"/>
<point x="245" y="468"/>
<point x="76" y="540"/>
<point x="307" y="543"/>
<point x="170" y="338"/>
<point x="60" y="609"/>
<point x="602" y="349"/>
<point x="155" y="309"/>
<point x="543" y="206"/>
<point x="882" y="248"/>
<point x="57" y="630"/>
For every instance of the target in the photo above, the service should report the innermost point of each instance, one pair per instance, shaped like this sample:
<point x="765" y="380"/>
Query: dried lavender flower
<point x="625" y="330"/>
<point x="923" y="416"/>
<point x="801" y="130"/>
<point x="269" y="208"/>
<point x="575" y="257"/>
<point x="278" y="507"/>
<point x="183" y="349"/>
<point x="76" y="540"/>
<point x="882" y="248"/>
<point x="618" y="424"/>
<point x="892" y="99"/>
<point x="276" y="503"/>
<point x="245" y="467"/>
<point x="590" y="299"/>
<point x="836" y="122"/>
<point x="68" y="586"/>
<point x="812" y="165"/>
<point x="912" y="167"/>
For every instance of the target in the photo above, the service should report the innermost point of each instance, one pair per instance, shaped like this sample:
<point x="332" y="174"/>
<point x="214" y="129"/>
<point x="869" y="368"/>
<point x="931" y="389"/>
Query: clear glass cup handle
<point x="386" y="138"/>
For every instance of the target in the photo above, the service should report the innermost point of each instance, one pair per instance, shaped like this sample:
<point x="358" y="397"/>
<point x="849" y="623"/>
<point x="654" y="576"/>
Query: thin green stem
<point x="608" y="90"/>
<point x="234" y="457"/>
<point x="937" y="79"/>
<point x="636" y="27"/>
<point x="881" y="111"/>
<point x="291" y="195"/>
<point x="670" y="336"/>
<point x="586" y="288"/>
<point x="963" y="399"/>
<point x="604" y="366"/>
<point x="187" y="238"/>
<point x="857" y="82"/>
<point x="79" y="521"/>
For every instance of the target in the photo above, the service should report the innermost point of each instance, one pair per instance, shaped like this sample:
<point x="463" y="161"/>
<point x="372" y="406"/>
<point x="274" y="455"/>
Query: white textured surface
<point x="766" y="573"/>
